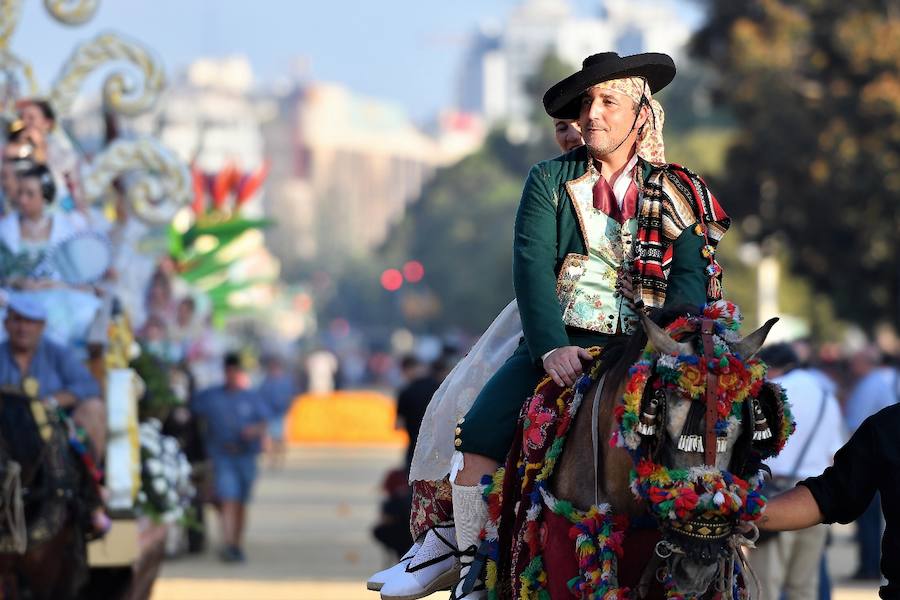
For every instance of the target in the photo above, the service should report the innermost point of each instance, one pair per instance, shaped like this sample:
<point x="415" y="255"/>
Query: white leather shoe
<point x="432" y="569"/>
<point x="376" y="581"/>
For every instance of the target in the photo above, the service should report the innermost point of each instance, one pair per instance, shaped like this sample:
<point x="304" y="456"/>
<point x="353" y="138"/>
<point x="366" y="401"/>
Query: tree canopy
<point x="814" y="89"/>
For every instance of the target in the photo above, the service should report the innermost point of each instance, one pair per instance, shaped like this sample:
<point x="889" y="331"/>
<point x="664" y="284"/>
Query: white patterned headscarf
<point x="650" y="145"/>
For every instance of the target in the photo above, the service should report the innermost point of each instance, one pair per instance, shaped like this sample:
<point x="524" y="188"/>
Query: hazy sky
<point x="407" y="51"/>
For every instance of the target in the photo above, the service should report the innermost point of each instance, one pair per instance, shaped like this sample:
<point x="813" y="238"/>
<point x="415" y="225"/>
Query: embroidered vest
<point x="586" y="286"/>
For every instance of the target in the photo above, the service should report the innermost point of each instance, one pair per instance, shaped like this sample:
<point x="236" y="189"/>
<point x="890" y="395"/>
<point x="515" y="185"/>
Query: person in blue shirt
<point x="42" y="368"/>
<point x="235" y="418"/>
<point x="278" y="390"/>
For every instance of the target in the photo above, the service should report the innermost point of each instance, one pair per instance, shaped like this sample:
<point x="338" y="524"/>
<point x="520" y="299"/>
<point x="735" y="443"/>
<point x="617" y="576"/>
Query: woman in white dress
<point x="27" y="234"/>
<point x="31" y="239"/>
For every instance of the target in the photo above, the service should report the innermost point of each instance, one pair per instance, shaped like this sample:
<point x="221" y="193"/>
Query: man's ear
<point x="643" y="115"/>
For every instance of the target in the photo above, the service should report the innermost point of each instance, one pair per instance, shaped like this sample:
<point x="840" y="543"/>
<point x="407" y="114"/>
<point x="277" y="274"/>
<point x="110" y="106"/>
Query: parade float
<point x="143" y="204"/>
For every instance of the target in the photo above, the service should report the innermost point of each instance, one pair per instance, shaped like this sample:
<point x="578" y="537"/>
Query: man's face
<point x="773" y="372"/>
<point x="185" y="314"/>
<point x="606" y="120"/>
<point x="34" y="117"/>
<point x="24" y="334"/>
<point x="862" y="362"/>
<point x="30" y="199"/>
<point x="568" y="134"/>
<point x="155" y="331"/>
<point x="234" y="377"/>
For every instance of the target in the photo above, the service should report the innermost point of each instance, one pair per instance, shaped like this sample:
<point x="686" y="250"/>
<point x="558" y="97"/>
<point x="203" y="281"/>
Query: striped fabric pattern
<point x="674" y="198"/>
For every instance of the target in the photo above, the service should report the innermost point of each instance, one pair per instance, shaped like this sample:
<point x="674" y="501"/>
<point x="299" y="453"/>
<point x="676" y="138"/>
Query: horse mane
<point x="620" y="354"/>
<point x="21" y="440"/>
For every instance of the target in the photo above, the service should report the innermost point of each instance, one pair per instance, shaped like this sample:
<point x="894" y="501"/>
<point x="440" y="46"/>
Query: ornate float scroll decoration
<point x="10" y="12"/>
<point x="157" y="183"/>
<point x="12" y="68"/>
<point x="13" y="72"/>
<point x="121" y="93"/>
<point x="72" y="12"/>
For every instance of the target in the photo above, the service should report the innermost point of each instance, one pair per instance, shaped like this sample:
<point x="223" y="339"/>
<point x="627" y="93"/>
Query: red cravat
<point x="605" y="201"/>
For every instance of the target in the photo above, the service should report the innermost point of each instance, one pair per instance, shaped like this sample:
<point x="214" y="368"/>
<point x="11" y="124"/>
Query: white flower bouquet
<point x="166" y="490"/>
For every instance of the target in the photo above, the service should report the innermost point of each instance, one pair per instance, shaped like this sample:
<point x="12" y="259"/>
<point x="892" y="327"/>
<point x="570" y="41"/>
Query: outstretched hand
<point x="564" y="365"/>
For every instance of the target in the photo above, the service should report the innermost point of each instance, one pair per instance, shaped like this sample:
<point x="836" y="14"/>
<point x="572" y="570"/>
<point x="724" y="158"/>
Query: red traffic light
<point x="391" y="280"/>
<point x="413" y="271"/>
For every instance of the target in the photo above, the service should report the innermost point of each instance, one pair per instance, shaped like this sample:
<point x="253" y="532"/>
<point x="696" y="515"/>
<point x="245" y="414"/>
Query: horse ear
<point x="751" y="344"/>
<point x="661" y="339"/>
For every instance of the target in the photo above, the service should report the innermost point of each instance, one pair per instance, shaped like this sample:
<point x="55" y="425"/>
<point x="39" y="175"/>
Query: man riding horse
<point x="48" y="471"/>
<point x="602" y="232"/>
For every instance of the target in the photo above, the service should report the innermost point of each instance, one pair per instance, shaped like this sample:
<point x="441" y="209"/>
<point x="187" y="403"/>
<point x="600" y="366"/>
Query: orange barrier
<point x="351" y="417"/>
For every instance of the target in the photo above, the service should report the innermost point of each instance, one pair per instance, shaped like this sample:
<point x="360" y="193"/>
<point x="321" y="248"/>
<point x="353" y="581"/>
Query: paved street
<point x="308" y="536"/>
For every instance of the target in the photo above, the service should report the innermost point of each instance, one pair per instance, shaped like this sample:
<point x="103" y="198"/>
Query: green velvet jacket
<point x="548" y="230"/>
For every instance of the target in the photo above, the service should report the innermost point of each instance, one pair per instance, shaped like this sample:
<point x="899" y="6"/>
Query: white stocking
<point x="470" y="515"/>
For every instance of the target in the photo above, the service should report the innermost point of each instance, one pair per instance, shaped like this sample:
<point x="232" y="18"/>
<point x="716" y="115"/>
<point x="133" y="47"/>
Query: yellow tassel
<point x="490" y="579"/>
<point x="39" y="414"/>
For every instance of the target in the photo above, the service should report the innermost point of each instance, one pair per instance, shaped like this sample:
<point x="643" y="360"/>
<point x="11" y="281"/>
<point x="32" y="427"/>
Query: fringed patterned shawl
<point x="674" y="198"/>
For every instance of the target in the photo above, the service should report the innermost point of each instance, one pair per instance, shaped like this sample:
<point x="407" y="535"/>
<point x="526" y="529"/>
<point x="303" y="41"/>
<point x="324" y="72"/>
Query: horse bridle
<point x="710" y="398"/>
<point x="717" y="528"/>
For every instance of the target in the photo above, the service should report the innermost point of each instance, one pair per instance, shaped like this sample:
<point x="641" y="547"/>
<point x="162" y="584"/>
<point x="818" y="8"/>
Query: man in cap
<point x="235" y="416"/>
<point x="601" y="232"/>
<point x="43" y="368"/>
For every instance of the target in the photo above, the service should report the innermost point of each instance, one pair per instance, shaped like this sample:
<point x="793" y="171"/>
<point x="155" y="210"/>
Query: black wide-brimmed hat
<point x="563" y="100"/>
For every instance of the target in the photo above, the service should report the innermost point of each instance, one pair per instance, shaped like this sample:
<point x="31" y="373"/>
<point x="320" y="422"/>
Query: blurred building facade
<point x="210" y="119"/>
<point x="499" y="61"/>
<point x="344" y="168"/>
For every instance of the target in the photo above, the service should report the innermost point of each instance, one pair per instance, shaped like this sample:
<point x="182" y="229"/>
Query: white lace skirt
<point x="434" y="448"/>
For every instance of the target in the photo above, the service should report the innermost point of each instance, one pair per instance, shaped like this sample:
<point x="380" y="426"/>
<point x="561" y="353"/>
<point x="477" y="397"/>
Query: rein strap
<point x="707" y="329"/>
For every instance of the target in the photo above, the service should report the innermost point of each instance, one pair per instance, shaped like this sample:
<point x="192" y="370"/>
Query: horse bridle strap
<point x="595" y="438"/>
<point x="707" y="329"/>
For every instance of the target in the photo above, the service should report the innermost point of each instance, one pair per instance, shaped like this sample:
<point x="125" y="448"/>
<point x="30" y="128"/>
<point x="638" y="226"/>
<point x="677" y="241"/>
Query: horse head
<point x="685" y="408"/>
<point x="697" y="418"/>
<point x="20" y="431"/>
<point x="39" y="480"/>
